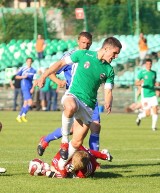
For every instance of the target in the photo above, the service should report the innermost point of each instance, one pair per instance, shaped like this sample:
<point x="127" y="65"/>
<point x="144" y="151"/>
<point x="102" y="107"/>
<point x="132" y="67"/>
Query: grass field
<point x="134" y="169"/>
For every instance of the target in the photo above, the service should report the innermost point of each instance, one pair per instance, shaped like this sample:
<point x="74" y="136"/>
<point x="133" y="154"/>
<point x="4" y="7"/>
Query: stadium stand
<point x="15" y="53"/>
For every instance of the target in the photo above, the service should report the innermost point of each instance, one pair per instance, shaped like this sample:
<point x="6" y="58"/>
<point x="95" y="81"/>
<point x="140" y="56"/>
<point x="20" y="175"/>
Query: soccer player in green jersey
<point x="93" y="69"/>
<point x="147" y="80"/>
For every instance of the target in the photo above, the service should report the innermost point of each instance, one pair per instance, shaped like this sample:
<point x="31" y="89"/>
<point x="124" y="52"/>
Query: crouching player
<point x="83" y="163"/>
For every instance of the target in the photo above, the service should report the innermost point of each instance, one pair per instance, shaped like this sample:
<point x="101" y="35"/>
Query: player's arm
<point x="20" y="77"/>
<point x="108" y="97"/>
<point x="11" y="84"/>
<point x="138" y="82"/>
<point x="53" y="69"/>
<point x="59" y="82"/>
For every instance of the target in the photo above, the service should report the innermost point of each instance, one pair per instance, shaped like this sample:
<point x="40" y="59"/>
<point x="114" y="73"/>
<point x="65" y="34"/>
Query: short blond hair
<point x="80" y="160"/>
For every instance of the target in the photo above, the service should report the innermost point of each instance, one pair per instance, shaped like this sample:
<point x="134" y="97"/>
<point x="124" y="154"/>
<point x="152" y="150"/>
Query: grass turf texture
<point x="136" y="156"/>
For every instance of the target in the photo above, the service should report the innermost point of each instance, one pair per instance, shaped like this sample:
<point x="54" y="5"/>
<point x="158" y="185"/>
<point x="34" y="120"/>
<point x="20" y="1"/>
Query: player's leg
<point x="21" y="111"/>
<point x="95" y="128"/>
<point x="70" y="107"/>
<point x="80" y="131"/>
<point x="154" y="114"/>
<point x="145" y="112"/>
<point x="45" y="140"/>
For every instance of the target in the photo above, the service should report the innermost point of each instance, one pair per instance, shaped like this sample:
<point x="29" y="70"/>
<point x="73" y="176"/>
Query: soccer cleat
<point x="19" y="119"/>
<point x="24" y="119"/>
<point x="138" y="121"/>
<point x="64" y="151"/>
<point x="109" y="157"/>
<point x="42" y="146"/>
<point x="154" y="129"/>
<point x="2" y="170"/>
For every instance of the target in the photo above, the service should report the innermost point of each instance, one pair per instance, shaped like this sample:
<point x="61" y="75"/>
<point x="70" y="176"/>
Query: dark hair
<point x="148" y="60"/>
<point x="29" y="58"/>
<point x="112" y="41"/>
<point x="85" y="34"/>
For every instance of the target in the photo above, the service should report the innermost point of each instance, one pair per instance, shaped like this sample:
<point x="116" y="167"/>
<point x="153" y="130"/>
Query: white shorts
<point x="84" y="113"/>
<point x="149" y="102"/>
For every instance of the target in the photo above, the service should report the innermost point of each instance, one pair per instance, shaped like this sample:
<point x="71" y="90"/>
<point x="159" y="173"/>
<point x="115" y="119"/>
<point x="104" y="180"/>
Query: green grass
<point x="134" y="169"/>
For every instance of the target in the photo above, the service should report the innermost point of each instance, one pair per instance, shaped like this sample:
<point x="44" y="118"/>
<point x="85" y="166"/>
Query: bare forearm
<point x="53" y="69"/>
<point x="108" y="100"/>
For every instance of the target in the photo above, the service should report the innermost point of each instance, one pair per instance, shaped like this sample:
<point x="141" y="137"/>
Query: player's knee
<point x="70" y="109"/>
<point x="95" y="127"/>
<point x="76" y="144"/>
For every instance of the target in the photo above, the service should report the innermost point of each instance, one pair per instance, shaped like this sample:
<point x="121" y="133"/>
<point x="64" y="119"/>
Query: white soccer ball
<point x="35" y="167"/>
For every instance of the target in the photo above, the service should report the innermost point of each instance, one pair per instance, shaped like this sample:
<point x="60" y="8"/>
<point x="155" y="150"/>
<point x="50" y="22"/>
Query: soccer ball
<point x="35" y="167"/>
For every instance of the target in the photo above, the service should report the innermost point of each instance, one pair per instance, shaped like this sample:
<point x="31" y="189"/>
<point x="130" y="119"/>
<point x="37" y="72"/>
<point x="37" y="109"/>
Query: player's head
<point x="80" y="160"/>
<point x="84" y="40"/>
<point x="29" y="61"/>
<point x="148" y="64"/>
<point x="111" y="47"/>
<point x="39" y="36"/>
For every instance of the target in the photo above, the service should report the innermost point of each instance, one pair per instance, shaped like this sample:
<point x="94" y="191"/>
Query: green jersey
<point x="149" y="80"/>
<point x="90" y="73"/>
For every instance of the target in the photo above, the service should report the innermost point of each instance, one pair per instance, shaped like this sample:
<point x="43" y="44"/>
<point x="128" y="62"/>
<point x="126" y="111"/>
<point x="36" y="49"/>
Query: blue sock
<point x="21" y="112"/>
<point x="26" y="109"/>
<point x="56" y="134"/>
<point x="94" y="142"/>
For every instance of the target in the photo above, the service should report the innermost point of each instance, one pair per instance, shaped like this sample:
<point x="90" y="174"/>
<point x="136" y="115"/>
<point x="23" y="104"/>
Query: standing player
<point x="84" y="42"/>
<point x="147" y="80"/>
<point x="26" y="75"/>
<point x="80" y="99"/>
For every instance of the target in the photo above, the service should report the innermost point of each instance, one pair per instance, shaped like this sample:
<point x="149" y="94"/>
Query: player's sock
<point x="56" y="134"/>
<point x="22" y="110"/>
<point x="154" y="120"/>
<point x="94" y="142"/>
<point x="142" y="115"/>
<point x="26" y="109"/>
<point x="66" y="126"/>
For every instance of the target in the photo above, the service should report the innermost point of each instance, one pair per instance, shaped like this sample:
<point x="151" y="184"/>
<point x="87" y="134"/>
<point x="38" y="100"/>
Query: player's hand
<point x="62" y="83"/>
<point x="107" y="107"/>
<point x="40" y="82"/>
<point x="70" y="168"/>
<point x="32" y="90"/>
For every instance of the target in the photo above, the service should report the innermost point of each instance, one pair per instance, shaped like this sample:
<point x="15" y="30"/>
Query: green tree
<point x="5" y="3"/>
<point x="21" y="26"/>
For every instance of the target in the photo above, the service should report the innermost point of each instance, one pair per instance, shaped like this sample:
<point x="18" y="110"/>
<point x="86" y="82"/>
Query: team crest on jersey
<point x="102" y="76"/>
<point x="146" y="77"/>
<point x="87" y="64"/>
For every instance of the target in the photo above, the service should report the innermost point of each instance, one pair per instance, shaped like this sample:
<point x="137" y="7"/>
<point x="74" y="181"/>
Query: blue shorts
<point x="26" y="94"/>
<point x="95" y="115"/>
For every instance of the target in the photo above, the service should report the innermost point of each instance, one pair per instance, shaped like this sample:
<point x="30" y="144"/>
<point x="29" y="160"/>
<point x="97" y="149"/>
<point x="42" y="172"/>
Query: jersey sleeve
<point x="139" y="76"/>
<point x="110" y="79"/>
<point x="74" y="57"/>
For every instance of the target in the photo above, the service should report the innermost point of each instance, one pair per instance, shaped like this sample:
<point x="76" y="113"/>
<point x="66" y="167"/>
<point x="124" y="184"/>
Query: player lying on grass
<point x="82" y="165"/>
